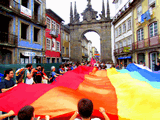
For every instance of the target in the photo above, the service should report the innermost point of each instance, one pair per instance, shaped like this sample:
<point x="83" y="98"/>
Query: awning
<point x="66" y="58"/>
<point x="33" y="54"/>
<point x="127" y="57"/>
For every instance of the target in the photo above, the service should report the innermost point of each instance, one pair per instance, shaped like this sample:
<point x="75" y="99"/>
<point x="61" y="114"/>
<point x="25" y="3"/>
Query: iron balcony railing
<point x="143" y="44"/>
<point x="149" y="42"/>
<point x="16" y="7"/>
<point x="8" y="39"/>
<point x="121" y="50"/>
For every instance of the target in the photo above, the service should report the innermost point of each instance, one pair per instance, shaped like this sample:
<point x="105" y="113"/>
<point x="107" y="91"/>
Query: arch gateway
<point x="90" y="23"/>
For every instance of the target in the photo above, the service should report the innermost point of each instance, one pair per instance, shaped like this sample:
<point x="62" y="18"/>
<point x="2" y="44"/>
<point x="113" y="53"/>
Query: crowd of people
<point x="30" y="75"/>
<point x="84" y="109"/>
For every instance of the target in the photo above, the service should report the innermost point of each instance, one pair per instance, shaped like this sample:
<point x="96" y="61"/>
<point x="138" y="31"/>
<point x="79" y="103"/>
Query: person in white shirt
<point x="29" y="71"/>
<point x="85" y="109"/>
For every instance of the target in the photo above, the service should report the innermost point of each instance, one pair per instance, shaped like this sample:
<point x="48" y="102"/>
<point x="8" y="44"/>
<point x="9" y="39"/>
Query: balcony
<point x="146" y="43"/>
<point x="7" y="39"/>
<point x="54" y="33"/>
<point x="139" y="45"/>
<point x="122" y="49"/>
<point x="20" y="10"/>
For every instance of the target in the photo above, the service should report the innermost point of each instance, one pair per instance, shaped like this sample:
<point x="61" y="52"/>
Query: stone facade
<point x="89" y="23"/>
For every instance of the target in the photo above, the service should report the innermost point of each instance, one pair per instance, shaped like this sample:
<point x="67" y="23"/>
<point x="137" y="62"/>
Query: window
<point x="24" y="59"/>
<point x="116" y="46"/>
<point x="53" y="44"/>
<point x="153" y="29"/>
<point x="67" y="51"/>
<point x="120" y="44"/>
<point x="36" y="10"/>
<point x="48" y="23"/>
<point x="25" y="3"/>
<point x="119" y="33"/>
<point x="53" y="60"/>
<point x="57" y="60"/>
<point x="140" y="34"/>
<point x="129" y="24"/>
<point x="139" y="11"/>
<point x="58" y="46"/>
<point x="53" y="25"/>
<point x="24" y="31"/>
<point x="129" y="41"/>
<point x="48" y="44"/>
<point x="152" y="3"/>
<point x="124" y="27"/>
<point x="124" y="43"/>
<point x="116" y="32"/>
<point x="36" y="34"/>
<point x="63" y="50"/>
<point x="58" y="28"/>
<point x="63" y="35"/>
<point x="48" y="60"/>
<point x="66" y="37"/>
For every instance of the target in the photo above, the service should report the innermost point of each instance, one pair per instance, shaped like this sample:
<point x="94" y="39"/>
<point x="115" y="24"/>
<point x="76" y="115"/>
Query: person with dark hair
<point x="27" y="113"/>
<point x="60" y="70"/>
<point x="157" y="67"/>
<point x="7" y="84"/>
<point x="37" y="76"/>
<point x="29" y="72"/>
<point x="85" y="109"/>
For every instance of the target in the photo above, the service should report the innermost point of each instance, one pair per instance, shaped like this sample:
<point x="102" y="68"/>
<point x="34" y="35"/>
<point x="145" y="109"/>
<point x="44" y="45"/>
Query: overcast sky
<point x="62" y="8"/>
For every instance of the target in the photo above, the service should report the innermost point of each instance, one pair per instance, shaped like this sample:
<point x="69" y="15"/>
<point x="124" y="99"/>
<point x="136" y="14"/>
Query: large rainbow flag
<point x="128" y="94"/>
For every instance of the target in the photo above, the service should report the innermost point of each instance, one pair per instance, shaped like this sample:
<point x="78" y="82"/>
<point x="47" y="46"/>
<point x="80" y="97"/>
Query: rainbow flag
<point x="128" y="94"/>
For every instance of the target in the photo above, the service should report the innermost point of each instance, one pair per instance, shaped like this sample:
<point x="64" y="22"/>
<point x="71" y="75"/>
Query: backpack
<point x="20" y="75"/>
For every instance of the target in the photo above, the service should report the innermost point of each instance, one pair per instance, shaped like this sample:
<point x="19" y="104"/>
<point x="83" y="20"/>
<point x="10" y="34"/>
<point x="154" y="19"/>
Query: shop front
<point x="124" y="61"/>
<point x="30" y="57"/>
<point x="141" y="58"/>
<point x="153" y="59"/>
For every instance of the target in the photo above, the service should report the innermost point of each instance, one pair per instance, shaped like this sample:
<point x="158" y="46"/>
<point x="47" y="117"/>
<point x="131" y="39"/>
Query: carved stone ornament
<point x="88" y="16"/>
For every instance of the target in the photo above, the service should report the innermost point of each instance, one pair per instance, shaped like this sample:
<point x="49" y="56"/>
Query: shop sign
<point x="25" y="11"/>
<point x="29" y="54"/>
<point x="126" y="49"/>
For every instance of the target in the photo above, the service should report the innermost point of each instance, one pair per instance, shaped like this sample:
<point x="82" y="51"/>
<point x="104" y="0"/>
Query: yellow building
<point x="146" y="26"/>
<point x="65" y="39"/>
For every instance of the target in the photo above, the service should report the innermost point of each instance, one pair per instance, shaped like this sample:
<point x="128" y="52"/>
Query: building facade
<point x="147" y="29"/>
<point x="123" y="32"/>
<point x="53" y="37"/>
<point x="65" y="42"/>
<point x="22" y="33"/>
<point x="145" y="42"/>
<point x="85" y="42"/>
<point x="89" y="50"/>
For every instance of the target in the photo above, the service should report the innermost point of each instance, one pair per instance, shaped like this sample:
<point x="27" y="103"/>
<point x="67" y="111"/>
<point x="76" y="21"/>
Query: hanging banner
<point x="25" y="11"/>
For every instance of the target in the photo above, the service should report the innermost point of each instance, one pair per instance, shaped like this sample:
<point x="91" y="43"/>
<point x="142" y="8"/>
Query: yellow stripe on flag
<point x="137" y="100"/>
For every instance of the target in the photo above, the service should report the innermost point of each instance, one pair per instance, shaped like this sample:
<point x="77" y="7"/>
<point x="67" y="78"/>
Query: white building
<point x="122" y="31"/>
<point x="89" y="50"/>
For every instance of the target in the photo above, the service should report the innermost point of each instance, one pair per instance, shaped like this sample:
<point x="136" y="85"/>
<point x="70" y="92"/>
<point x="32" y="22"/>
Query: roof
<point x="54" y="15"/>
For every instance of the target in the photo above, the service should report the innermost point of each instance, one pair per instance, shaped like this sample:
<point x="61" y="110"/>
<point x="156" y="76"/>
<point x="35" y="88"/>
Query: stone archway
<point x="89" y="23"/>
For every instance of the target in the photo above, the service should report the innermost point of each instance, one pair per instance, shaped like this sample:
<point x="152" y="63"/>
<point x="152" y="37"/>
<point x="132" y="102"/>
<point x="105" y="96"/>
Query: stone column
<point x="75" y="45"/>
<point x="106" y="44"/>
